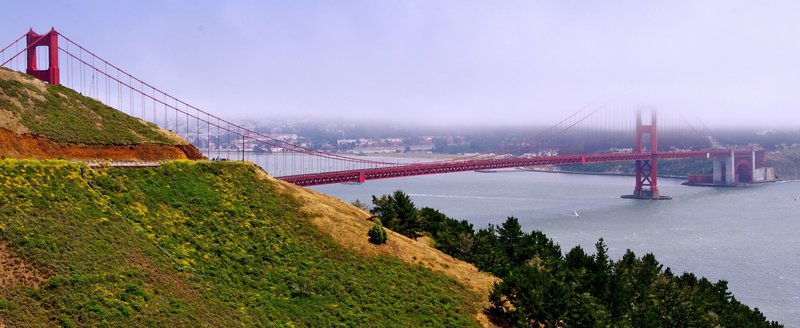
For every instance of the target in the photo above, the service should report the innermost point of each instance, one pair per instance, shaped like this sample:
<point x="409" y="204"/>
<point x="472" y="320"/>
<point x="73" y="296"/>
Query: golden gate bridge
<point x="65" y="62"/>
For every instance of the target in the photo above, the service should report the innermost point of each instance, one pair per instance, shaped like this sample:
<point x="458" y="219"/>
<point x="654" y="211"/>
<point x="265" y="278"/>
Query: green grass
<point x="196" y="244"/>
<point x="64" y="116"/>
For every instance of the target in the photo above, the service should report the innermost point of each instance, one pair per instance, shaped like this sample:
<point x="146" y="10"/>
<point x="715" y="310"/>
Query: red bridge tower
<point x="646" y="170"/>
<point x="50" y="40"/>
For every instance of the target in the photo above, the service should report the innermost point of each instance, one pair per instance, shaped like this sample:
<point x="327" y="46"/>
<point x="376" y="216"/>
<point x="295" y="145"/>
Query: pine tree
<point x="601" y="282"/>
<point x="399" y="213"/>
<point x="510" y="235"/>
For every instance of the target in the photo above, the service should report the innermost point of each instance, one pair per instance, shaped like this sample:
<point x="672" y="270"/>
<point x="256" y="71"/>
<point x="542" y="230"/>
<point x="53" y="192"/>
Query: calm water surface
<point x="747" y="236"/>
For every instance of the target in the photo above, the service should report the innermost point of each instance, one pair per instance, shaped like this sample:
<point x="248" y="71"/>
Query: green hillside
<point x="786" y="161"/>
<point x="62" y="115"/>
<point x="194" y="244"/>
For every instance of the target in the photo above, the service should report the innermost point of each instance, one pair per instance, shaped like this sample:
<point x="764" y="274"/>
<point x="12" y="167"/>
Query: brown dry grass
<point x="24" y="79"/>
<point x="15" y="271"/>
<point x="7" y="74"/>
<point x="10" y="122"/>
<point x="348" y="225"/>
<point x="173" y="137"/>
<point x="15" y="145"/>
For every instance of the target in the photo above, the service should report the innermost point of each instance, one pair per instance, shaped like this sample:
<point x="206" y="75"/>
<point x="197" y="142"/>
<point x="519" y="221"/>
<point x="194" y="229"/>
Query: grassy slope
<point x="62" y="115"/>
<point x="191" y="244"/>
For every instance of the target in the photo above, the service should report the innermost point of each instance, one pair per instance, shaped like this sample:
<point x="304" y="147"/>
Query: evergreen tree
<point x="398" y="213"/>
<point x="577" y="265"/>
<point x="538" y="245"/>
<point x="601" y="274"/>
<point x="487" y="253"/>
<point x="451" y="236"/>
<point x="536" y="295"/>
<point x="584" y="310"/>
<point x="510" y="235"/>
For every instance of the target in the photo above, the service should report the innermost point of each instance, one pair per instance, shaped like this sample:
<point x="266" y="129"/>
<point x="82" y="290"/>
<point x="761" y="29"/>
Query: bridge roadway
<point x="362" y="175"/>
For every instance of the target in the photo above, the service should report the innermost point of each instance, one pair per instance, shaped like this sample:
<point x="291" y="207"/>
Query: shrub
<point x="377" y="234"/>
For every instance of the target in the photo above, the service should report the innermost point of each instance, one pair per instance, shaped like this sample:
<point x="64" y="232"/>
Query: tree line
<point x="541" y="286"/>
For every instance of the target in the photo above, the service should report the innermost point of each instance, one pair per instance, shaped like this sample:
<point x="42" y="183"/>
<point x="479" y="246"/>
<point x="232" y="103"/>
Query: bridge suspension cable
<point x="568" y="141"/>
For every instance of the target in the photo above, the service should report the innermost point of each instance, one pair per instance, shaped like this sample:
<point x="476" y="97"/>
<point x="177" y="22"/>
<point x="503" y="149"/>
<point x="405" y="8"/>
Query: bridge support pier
<point x="735" y="168"/>
<point x="646" y="170"/>
<point x="724" y="171"/>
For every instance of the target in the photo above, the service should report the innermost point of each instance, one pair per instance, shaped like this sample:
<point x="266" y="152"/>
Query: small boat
<point x="575" y="213"/>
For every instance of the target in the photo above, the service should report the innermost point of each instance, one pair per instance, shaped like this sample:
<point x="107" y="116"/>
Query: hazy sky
<point x="465" y="62"/>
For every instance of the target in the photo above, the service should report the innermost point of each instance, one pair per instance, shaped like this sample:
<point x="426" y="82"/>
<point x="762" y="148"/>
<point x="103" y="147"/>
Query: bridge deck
<point x="490" y="164"/>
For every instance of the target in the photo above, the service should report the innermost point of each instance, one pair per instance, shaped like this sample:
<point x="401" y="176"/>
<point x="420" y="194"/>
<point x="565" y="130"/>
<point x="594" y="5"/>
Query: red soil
<point x="14" y="145"/>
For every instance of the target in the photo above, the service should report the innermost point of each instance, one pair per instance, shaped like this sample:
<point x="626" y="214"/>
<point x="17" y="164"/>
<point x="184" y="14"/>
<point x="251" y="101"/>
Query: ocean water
<point x="747" y="236"/>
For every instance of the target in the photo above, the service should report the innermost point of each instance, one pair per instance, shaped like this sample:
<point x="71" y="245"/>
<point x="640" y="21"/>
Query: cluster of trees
<point x="398" y="213"/>
<point x="543" y="287"/>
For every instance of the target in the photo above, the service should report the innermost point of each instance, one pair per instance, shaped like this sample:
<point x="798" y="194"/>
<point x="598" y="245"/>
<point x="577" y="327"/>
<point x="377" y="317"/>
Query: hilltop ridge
<point x="39" y="120"/>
